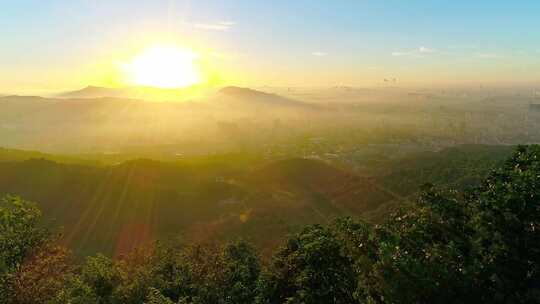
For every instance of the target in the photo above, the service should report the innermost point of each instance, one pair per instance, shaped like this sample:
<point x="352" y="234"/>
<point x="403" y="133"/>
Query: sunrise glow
<point x="164" y="67"/>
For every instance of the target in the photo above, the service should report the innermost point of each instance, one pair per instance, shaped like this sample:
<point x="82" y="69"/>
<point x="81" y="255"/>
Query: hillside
<point x="113" y="204"/>
<point x="113" y="208"/>
<point x="343" y="191"/>
<point x="432" y="239"/>
<point x="238" y="98"/>
<point x="95" y="92"/>
<point x="458" y="167"/>
<point x="138" y="92"/>
<point x="89" y="123"/>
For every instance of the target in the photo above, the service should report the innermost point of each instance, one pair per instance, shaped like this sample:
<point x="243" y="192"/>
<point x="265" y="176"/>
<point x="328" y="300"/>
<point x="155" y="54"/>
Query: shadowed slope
<point x="115" y="208"/>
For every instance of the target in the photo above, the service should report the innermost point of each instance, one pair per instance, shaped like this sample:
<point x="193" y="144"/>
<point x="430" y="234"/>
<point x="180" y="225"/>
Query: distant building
<point x="534" y="107"/>
<point x="533" y="122"/>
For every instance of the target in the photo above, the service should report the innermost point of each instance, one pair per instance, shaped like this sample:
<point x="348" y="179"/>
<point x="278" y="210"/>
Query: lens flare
<point x="165" y="67"/>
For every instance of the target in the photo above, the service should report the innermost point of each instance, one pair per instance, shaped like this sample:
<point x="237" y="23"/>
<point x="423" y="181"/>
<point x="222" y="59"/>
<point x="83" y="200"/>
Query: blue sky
<point x="54" y="44"/>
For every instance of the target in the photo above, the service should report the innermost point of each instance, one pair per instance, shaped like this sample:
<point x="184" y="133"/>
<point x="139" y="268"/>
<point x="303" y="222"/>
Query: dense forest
<point x="116" y="203"/>
<point x="469" y="246"/>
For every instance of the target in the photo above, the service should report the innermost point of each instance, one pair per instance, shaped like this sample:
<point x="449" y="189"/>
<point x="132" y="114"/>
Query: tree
<point x="506" y="221"/>
<point x="311" y="268"/>
<point x="138" y="274"/>
<point x="447" y="247"/>
<point x="480" y="246"/>
<point x="20" y="234"/>
<point x="42" y="275"/>
<point x="360" y="243"/>
<point x="423" y="253"/>
<point x="101" y="276"/>
<point x="220" y="274"/>
<point x="241" y="270"/>
<point x="75" y="291"/>
<point x="155" y="297"/>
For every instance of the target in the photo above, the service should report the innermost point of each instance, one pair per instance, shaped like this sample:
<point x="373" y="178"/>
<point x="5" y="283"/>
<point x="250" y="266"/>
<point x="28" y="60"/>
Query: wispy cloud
<point x="319" y="53"/>
<point x="418" y="52"/>
<point x="425" y="50"/>
<point x="217" y="26"/>
<point x="487" y="55"/>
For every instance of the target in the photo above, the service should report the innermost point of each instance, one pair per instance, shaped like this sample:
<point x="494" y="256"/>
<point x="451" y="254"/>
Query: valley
<point x="114" y="208"/>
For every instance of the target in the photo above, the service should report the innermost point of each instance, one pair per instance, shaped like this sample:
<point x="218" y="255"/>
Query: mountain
<point x="231" y="96"/>
<point x="139" y="92"/>
<point x="245" y="97"/>
<point x="95" y="92"/>
<point x="455" y="167"/>
<point x="21" y="99"/>
<point x="245" y="92"/>
<point x="83" y="122"/>
<point x="340" y="190"/>
<point x="116" y="207"/>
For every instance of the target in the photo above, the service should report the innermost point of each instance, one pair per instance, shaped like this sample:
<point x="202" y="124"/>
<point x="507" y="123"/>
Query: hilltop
<point x="219" y="197"/>
<point x="207" y="200"/>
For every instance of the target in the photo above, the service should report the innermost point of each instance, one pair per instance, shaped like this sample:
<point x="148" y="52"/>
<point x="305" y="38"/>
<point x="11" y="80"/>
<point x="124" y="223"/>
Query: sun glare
<point x="165" y="67"/>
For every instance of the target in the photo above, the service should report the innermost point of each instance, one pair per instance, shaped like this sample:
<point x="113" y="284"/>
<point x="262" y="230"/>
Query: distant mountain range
<point x="246" y="92"/>
<point x="228" y="95"/>
<point x="232" y="94"/>
<point x="143" y="93"/>
<point x="94" y="92"/>
<point x="239" y="96"/>
<point x="99" y="117"/>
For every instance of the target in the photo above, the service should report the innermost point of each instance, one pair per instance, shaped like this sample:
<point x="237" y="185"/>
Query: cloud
<point x="397" y="54"/>
<point x="425" y="50"/>
<point x="229" y="23"/>
<point x="319" y="53"/>
<point x="418" y="52"/>
<point x="218" y="26"/>
<point x="488" y="55"/>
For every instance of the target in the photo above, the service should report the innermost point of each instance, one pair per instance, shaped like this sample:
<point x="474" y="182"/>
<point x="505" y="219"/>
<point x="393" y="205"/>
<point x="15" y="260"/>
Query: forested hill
<point x="478" y="246"/>
<point x="108" y="207"/>
<point x="114" y="208"/>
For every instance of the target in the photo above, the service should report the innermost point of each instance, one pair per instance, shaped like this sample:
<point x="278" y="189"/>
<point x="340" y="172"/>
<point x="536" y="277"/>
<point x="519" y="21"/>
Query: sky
<point x="59" y="45"/>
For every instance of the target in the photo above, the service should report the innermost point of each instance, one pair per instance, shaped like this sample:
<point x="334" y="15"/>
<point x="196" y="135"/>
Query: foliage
<point x="226" y="274"/>
<point x="42" y="275"/>
<point x="479" y="246"/>
<point x="155" y="297"/>
<point x="20" y="234"/>
<point x="506" y="219"/>
<point x="19" y="221"/>
<point x="463" y="248"/>
<point x="310" y="268"/>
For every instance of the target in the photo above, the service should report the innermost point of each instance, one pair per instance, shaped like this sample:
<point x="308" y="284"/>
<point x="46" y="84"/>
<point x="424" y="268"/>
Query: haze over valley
<point x="236" y="160"/>
<point x="231" y="152"/>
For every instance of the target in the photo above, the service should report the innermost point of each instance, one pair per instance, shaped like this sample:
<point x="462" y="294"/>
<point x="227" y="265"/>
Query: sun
<point x="164" y="67"/>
